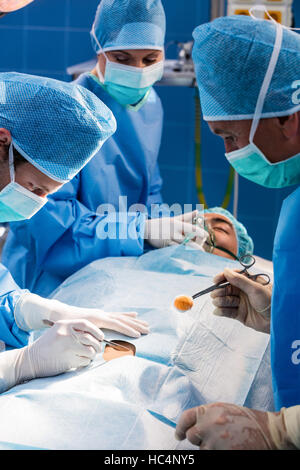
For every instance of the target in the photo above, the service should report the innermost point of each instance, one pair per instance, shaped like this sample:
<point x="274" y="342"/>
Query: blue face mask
<point x="17" y="202"/>
<point x="127" y="84"/>
<point x="250" y="161"/>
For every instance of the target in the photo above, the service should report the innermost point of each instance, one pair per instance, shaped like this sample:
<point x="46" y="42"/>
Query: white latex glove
<point x="222" y="426"/>
<point x="66" y="345"/>
<point x="244" y="300"/>
<point x="166" y="231"/>
<point x="32" y="310"/>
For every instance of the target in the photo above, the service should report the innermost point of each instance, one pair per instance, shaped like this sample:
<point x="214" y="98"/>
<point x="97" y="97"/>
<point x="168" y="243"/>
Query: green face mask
<point x="251" y="163"/>
<point x="16" y="202"/>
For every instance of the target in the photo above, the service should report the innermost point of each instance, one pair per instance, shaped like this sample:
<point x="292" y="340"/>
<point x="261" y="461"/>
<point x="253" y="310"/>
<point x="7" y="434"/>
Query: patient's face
<point x="224" y="234"/>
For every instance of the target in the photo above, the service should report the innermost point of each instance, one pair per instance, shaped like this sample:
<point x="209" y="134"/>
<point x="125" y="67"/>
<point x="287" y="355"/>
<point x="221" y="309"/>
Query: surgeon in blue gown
<point x="128" y="38"/>
<point x="43" y="124"/>
<point x="253" y="103"/>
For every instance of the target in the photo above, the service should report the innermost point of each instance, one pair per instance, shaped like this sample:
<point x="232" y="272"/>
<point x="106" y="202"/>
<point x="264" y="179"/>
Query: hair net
<point x="56" y="126"/>
<point x="244" y="241"/>
<point x="129" y="24"/>
<point x="231" y="57"/>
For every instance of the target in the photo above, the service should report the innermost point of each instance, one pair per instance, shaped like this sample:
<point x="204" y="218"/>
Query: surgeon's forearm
<point x="12" y="369"/>
<point x="89" y="237"/>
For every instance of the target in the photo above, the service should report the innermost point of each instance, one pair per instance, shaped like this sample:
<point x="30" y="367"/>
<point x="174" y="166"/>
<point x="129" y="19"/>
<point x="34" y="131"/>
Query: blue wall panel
<point x="45" y="13"/>
<point x="49" y="35"/>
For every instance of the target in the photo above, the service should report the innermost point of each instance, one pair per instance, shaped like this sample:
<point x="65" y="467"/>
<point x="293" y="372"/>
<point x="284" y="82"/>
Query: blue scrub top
<point x="285" y="315"/>
<point x="10" y="293"/>
<point x="62" y="237"/>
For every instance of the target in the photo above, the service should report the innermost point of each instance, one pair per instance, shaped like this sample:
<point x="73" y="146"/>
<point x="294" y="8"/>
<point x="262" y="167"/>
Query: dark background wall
<point x="49" y="35"/>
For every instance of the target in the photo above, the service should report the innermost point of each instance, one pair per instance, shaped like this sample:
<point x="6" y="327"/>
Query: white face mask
<point x="17" y="202"/>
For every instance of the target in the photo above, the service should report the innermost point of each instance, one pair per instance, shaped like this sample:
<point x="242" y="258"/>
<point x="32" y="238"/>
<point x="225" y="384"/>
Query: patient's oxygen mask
<point x="211" y="243"/>
<point x="199" y="221"/>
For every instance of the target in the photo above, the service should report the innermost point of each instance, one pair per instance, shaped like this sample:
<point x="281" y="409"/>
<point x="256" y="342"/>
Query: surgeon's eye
<point x="229" y="139"/>
<point x="121" y="58"/>
<point x="150" y="61"/>
<point x="39" y="192"/>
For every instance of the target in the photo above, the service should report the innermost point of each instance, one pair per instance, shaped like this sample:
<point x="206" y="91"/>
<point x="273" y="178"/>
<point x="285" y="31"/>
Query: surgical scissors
<point x="246" y="266"/>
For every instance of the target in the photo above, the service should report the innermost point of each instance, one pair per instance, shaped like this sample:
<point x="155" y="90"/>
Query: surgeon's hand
<point x="66" y="345"/>
<point x="244" y="300"/>
<point x="126" y="323"/>
<point x="167" y="231"/>
<point x="222" y="426"/>
<point x="33" y="312"/>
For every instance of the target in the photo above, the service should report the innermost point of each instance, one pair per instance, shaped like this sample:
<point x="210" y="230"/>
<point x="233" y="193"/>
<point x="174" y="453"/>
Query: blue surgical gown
<point x="10" y="293"/>
<point x="285" y="316"/>
<point x="62" y="237"/>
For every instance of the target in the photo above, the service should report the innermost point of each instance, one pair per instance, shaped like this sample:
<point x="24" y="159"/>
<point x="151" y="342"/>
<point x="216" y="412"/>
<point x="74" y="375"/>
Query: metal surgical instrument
<point x="116" y="345"/>
<point x="246" y="265"/>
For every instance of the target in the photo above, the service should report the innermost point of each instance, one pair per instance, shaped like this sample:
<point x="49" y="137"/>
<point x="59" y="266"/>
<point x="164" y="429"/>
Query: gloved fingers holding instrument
<point x="66" y="345"/>
<point x="33" y="312"/>
<point x="245" y="300"/>
<point x="165" y="231"/>
<point x="73" y="343"/>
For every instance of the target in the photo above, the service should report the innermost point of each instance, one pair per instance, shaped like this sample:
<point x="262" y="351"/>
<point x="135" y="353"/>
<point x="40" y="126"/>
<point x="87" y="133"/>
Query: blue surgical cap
<point x="244" y="241"/>
<point x="129" y="24"/>
<point x="231" y="57"/>
<point x="57" y="126"/>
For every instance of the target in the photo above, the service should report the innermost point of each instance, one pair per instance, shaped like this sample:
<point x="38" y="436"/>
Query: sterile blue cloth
<point x="285" y="317"/>
<point x="41" y="259"/>
<point x="56" y="126"/>
<point x="129" y="24"/>
<point x="10" y="293"/>
<point x="134" y="402"/>
<point x="231" y="57"/>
